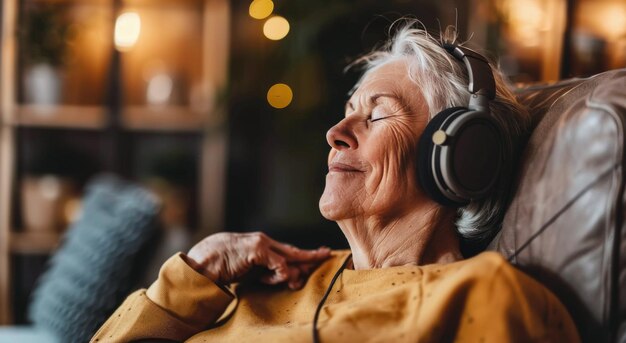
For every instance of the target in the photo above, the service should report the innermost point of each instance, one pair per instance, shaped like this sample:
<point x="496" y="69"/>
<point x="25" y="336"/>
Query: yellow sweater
<point x="482" y="299"/>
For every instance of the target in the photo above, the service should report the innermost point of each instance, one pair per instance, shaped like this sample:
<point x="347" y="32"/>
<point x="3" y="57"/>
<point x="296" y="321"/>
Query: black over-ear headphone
<point x="459" y="155"/>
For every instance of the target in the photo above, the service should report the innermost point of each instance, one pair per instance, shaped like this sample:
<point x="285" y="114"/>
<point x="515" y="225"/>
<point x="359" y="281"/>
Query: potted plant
<point x="43" y="46"/>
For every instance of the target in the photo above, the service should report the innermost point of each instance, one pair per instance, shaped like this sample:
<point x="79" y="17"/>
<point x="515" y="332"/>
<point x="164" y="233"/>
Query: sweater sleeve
<point x="179" y="304"/>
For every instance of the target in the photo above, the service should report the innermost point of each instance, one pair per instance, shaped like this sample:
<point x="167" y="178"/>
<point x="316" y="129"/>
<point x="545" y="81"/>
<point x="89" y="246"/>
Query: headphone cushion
<point x="426" y="148"/>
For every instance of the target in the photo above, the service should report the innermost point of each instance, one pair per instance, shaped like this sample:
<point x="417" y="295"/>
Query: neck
<point x="423" y="236"/>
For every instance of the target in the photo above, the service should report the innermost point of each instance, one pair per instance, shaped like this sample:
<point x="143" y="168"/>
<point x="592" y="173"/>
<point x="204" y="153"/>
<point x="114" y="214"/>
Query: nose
<point x="341" y="137"/>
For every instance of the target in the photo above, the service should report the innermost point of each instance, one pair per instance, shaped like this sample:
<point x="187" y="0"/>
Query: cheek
<point x="393" y="159"/>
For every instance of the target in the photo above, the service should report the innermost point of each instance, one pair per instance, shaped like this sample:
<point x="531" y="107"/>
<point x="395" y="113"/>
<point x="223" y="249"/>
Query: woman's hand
<point x="229" y="257"/>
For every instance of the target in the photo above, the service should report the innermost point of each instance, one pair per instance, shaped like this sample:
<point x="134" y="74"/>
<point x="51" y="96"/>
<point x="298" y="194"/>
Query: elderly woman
<point x="397" y="188"/>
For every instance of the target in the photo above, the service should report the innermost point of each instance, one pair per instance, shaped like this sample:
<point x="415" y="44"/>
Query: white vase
<point x="42" y="85"/>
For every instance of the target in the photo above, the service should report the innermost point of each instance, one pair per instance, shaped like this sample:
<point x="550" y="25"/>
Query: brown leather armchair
<point x="566" y="223"/>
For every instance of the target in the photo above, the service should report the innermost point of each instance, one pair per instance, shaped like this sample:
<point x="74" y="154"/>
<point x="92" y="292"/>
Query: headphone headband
<point x="480" y="76"/>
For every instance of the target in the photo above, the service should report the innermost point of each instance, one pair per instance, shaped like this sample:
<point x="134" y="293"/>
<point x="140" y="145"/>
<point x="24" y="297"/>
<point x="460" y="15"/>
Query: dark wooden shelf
<point x="34" y="242"/>
<point x="134" y="118"/>
<point x="168" y="118"/>
<point x="72" y="2"/>
<point x="69" y="117"/>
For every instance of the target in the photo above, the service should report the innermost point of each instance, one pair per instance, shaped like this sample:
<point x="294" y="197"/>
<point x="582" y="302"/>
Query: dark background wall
<point x="277" y="162"/>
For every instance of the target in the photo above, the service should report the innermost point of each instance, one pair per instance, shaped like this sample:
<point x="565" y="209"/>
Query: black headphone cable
<point x="316" y="337"/>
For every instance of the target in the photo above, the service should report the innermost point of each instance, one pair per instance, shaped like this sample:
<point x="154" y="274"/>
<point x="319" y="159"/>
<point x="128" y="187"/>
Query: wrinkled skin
<point x="381" y="151"/>
<point x="371" y="192"/>
<point x="371" y="187"/>
<point x="230" y="257"/>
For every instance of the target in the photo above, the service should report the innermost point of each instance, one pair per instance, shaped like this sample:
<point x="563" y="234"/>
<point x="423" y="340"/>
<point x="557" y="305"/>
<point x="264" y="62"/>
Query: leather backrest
<point x="565" y="224"/>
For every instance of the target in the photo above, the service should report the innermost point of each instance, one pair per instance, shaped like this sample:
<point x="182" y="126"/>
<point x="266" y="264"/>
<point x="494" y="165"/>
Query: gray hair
<point x="443" y="81"/>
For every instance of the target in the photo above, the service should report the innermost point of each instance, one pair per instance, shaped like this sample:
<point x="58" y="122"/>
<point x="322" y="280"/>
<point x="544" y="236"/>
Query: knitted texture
<point x="92" y="272"/>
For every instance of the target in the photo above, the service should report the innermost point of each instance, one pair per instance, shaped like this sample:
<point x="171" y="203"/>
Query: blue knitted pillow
<point x="91" y="273"/>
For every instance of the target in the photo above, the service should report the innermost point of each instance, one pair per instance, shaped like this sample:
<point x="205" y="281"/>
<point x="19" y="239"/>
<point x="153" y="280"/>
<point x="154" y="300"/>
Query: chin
<point x="330" y="208"/>
<point x="326" y="210"/>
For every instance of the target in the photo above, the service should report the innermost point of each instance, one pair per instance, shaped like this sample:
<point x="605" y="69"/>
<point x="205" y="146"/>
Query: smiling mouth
<point x="342" y="168"/>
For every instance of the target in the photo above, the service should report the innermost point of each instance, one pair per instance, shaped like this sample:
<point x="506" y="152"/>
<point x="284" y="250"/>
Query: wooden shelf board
<point x="70" y="117"/>
<point x="73" y="2"/>
<point x="134" y="118"/>
<point x="157" y="3"/>
<point x="170" y="118"/>
<point x="34" y="242"/>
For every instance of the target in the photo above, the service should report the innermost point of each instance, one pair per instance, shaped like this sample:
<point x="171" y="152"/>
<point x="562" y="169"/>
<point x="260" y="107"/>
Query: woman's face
<point x="371" y="164"/>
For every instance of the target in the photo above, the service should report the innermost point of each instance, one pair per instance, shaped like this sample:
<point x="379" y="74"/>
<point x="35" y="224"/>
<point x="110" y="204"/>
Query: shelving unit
<point x="107" y="103"/>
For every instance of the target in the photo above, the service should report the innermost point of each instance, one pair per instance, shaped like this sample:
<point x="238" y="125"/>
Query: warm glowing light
<point x="527" y="19"/>
<point x="261" y="9"/>
<point x="276" y="28"/>
<point x="603" y="19"/>
<point x="279" y="95"/>
<point x="127" y="28"/>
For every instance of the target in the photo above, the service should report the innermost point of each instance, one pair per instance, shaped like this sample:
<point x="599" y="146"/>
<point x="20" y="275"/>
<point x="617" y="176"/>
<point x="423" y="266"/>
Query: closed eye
<point x="387" y="117"/>
<point x="370" y="120"/>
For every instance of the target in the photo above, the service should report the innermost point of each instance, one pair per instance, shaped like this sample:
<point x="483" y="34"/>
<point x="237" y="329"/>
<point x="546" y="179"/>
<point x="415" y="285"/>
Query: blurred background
<point x="221" y="107"/>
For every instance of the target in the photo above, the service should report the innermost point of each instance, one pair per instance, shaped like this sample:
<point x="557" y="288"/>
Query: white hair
<point x="443" y="81"/>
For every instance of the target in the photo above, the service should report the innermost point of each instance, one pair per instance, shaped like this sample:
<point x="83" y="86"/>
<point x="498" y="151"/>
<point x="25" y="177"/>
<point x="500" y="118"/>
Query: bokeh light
<point x="276" y="28"/>
<point x="261" y="9"/>
<point x="127" y="29"/>
<point x="279" y="95"/>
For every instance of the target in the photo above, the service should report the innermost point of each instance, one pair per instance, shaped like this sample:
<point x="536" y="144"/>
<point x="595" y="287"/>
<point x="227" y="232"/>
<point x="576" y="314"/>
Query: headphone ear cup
<point x="473" y="160"/>
<point x="426" y="149"/>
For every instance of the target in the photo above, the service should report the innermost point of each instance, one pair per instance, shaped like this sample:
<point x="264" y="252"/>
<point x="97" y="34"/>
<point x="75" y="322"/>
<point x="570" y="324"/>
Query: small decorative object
<point x="163" y="87"/>
<point x="44" y="199"/>
<point x="42" y="85"/>
<point x="43" y="44"/>
<point x="159" y="89"/>
<point x="50" y="186"/>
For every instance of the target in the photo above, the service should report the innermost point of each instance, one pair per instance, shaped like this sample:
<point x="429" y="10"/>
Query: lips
<point x="343" y="168"/>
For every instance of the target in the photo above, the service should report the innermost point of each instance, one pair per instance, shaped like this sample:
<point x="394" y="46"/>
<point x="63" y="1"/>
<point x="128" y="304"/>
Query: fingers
<point x="298" y="274"/>
<point x="293" y="254"/>
<point x="231" y="257"/>
<point x="295" y="279"/>
<point x="278" y="268"/>
<point x="286" y="263"/>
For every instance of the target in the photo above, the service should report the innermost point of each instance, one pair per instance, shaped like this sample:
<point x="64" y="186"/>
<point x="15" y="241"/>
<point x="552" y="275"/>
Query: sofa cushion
<point x="94" y="269"/>
<point x="565" y="224"/>
<point x="26" y="334"/>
